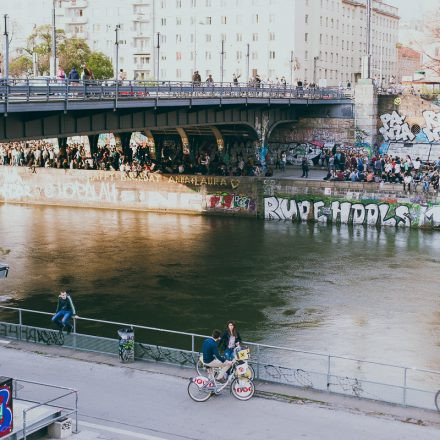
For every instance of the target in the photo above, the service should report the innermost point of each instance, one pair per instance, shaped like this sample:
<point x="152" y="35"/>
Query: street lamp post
<point x="54" y="41"/>
<point x="367" y="70"/>
<point x="247" y="63"/>
<point x="117" y="28"/>
<point x="291" y="67"/>
<point x="158" y="57"/>
<point x="6" y="55"/>
<point x="222" y="64"/>
<point x="315" y="60"/>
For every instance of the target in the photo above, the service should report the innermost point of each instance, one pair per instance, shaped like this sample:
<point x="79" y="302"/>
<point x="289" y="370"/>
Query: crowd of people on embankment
<point x="343" y="164"/>
<point x="137" y="158"/>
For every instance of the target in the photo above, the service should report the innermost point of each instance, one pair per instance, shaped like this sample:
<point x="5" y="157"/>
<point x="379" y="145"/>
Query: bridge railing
<point x="47" y="89"/>
<point x="361" y="378"/>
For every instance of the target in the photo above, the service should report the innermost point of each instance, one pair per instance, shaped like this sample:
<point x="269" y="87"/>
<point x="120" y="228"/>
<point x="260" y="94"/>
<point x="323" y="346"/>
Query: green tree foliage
<point x="21" y="66"/>
<point x="73" y="52"/>
<point x="100" y="65"/>
<point x="40" y="42"/>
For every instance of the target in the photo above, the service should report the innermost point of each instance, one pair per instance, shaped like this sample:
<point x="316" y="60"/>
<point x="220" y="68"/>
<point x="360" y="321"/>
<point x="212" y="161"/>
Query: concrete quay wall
<point x="264" y="198"/>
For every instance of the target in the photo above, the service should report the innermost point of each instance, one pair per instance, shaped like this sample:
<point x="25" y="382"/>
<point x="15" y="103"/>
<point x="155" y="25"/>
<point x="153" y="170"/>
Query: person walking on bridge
<point x="65" y="310"/>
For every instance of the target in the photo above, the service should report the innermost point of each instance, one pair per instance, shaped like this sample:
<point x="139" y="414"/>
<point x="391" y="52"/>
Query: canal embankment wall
<point x="265" y="198"/>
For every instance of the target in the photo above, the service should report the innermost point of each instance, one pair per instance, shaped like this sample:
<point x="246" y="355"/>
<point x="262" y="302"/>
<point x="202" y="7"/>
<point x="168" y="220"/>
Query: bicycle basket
<point x="243" y="355"/>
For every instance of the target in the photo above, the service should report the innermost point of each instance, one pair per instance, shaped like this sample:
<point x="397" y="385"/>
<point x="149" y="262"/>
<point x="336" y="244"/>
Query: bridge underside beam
<point x="40" y="125"/>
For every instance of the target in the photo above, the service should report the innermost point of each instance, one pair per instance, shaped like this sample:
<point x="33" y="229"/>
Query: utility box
<point x="6" y="406"/>
<point x="61" y="428"/>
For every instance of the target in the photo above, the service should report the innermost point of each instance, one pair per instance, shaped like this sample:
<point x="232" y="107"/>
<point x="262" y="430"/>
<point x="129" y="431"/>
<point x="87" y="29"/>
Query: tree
<point x="40" y="42"/>
<point x="100" y="65"/>
<point x="21" y="66"/>
<point x="73" y="52"/>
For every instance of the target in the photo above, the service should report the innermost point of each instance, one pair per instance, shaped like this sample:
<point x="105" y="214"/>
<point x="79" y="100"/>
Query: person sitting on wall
<point x="65" y="310"/>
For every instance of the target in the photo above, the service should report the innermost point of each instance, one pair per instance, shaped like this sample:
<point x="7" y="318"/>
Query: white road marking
<point x="3" y="341"/>
<point x="118" y="431"/>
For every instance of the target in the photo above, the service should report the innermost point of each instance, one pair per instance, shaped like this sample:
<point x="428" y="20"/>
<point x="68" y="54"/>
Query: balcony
<point x="73" y="4"/>
<point x="76" y="20"/>
<point x="83" y="35"/>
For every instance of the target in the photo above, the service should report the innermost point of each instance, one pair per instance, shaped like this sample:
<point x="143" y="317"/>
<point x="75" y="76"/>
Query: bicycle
<point x="201" y="388"/>
<point x="437" y="400"/>
<point x="249" y="373"/>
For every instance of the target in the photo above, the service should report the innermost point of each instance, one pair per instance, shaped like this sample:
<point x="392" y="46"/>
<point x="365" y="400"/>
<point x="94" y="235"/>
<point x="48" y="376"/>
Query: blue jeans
<point x="229" y="354"/>
<point x="62" y="318"/>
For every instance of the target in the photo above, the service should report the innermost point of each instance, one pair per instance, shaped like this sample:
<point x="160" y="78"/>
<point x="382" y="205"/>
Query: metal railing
<point x="65" y="411"/>
<point x="48" y="89"/>
<point x="380" y="381"/>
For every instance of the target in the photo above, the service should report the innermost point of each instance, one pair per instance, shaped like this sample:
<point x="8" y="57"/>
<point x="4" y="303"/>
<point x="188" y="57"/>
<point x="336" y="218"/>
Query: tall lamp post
<point x="117" y="28"/>
<point x="247" y="63"/>
<point x="222" y="63"/>
<point x="54" y="41"/>
<point x="158" y="57"/>
<point x="6" y="55"/>
<point x="367" y="67"/>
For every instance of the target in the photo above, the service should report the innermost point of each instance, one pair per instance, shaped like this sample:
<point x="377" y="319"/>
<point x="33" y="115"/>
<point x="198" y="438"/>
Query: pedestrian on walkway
<point x="283" y="161"/>
<point x="305" y="167"/>
<point x="65" y="311"/>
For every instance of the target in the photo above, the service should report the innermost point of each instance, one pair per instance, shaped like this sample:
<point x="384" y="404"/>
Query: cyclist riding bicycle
<point x="212" y="357"/>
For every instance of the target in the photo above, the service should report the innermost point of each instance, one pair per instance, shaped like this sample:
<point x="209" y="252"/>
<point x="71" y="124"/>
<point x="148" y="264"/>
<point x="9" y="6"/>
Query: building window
<point x="254" y="37"/>
<point x="271" y="36"/>
<point x="224" y="20"/>
<point x="163" y="21"/>
<point x="306" y="19"/>
<point x="271" y="54"/>
<point x="178" y="56"/>
<point x="306" y="37"/>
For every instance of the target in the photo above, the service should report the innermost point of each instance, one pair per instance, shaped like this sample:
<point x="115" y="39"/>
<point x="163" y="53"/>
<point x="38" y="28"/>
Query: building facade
<point x="408" y="61"/>
<point x="321" y="41"/>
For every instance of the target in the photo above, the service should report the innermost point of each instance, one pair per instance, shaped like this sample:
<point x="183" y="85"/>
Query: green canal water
<point x="362" y="292"/>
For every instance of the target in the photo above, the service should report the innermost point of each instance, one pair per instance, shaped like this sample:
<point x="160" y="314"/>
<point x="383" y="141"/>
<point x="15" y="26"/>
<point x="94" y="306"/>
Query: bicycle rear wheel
<point x="198" y="393"/>
<point x="437" y="400"/>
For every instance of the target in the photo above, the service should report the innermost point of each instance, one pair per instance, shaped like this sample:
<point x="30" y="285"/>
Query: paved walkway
<point x="150" y="401"/>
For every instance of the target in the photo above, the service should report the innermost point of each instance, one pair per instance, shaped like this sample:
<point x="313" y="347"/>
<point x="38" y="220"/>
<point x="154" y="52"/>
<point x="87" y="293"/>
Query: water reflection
<point x="362" y="292"/>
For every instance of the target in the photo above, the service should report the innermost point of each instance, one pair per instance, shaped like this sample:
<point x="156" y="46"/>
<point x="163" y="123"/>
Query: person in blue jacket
<point x="211" y="356"/>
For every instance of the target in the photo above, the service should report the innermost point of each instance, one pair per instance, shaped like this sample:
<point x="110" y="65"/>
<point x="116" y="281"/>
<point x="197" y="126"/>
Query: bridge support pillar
<point x="124" y="139"/>
<point x="151" y="143"/>
<point x="93" y="142"/>
<point x="366" y="110"/>
<point x="218" y="138"/>
<point x="185" y="141"/>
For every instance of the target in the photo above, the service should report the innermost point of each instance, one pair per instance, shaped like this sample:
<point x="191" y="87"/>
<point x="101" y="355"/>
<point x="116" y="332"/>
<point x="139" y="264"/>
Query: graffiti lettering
<point x="394" y="128"/>
<point x="338" y="212"/>
<point x="432" y="129"/>
<point x="231" y="202"/>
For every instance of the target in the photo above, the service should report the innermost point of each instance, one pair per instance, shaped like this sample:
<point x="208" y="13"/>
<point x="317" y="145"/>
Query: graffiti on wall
<point x="231" y="202"/>
<point x="14" y="187"/>
<point x="432" y="129"/>
<point x="373" y="213"/>
<point x="395" y="128"/>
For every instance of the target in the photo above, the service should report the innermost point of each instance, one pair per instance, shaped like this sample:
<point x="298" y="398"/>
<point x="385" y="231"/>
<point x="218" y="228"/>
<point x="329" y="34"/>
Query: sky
<point x="413" y="9"/>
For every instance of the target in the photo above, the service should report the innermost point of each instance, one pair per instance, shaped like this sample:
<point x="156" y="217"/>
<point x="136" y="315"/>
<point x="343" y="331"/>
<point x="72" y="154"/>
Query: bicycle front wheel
<point x="198" y="393"/>
<point x="437" y="400"/>
<point x="242" y="389"/>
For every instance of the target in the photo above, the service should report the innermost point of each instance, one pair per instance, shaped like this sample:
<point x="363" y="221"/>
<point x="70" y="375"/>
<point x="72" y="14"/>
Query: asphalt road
<point x="123" y="403"/>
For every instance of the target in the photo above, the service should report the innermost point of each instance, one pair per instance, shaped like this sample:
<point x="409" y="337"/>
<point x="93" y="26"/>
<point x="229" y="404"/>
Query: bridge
<point x="38" y="109"/>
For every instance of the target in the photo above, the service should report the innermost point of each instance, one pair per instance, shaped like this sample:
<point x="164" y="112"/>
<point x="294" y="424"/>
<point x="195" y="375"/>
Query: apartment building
<point x="320" y="41"/>
<point x="96" y="21"/>
<point x="313" y="40"/>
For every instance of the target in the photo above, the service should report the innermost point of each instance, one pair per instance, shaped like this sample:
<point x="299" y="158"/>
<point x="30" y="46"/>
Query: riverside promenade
<point x="149" y="401"/>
